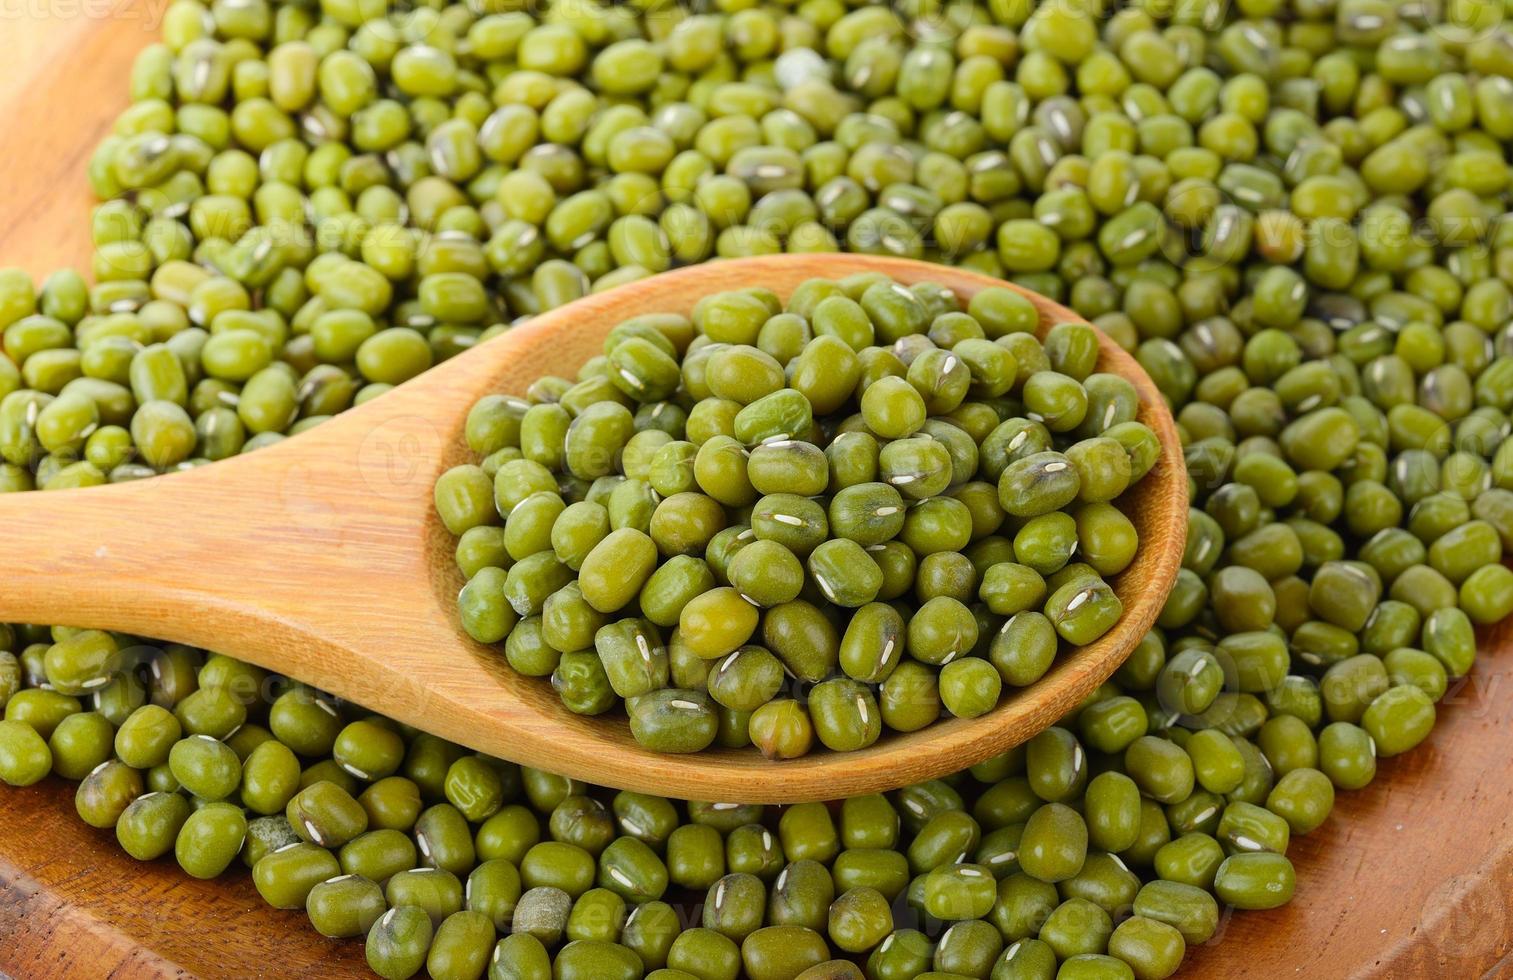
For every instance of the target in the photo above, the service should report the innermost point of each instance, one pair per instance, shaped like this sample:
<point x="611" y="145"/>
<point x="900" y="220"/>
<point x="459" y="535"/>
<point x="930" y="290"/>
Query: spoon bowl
<point x="322" y="558"/>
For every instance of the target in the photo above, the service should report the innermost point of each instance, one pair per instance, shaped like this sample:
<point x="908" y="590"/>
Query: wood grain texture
<point x="321" y="558"/>
<point x="78" y="52"/>
<point x="1411" y="878"/>
<point x="72" y="906"/>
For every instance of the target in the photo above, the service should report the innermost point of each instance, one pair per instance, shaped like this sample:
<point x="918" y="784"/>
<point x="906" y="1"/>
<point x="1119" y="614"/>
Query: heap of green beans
<point x="793" y="493"/>
<point x="1293" y="213"/>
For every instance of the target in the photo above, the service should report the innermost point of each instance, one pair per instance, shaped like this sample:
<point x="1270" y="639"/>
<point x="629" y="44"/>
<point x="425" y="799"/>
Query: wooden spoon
<point x="322" y="558"/>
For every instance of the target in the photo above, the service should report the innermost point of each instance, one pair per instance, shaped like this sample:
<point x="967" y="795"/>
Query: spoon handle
<point x="289" y="556"/>
<point x="289" y="537"/>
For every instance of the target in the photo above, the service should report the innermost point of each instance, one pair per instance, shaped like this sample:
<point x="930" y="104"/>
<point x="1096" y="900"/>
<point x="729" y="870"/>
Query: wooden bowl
<point x="1411" y="877"/>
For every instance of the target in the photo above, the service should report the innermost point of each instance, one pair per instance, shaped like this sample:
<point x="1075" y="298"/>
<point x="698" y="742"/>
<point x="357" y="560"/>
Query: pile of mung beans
<point x="1291" y="211"/>
<point x="803" y="528"/>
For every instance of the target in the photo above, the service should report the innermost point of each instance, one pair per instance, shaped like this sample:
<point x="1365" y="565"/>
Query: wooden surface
<point x="74" y="907"/>
<point x="321" y="558"/>
<point x="1412" y="877"/>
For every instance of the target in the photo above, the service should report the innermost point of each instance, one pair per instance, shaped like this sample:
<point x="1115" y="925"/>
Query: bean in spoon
<point x="321" y="558"/>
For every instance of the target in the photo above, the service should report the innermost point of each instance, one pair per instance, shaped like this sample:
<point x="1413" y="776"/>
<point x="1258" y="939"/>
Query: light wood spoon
<point x="321" y="558"/>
